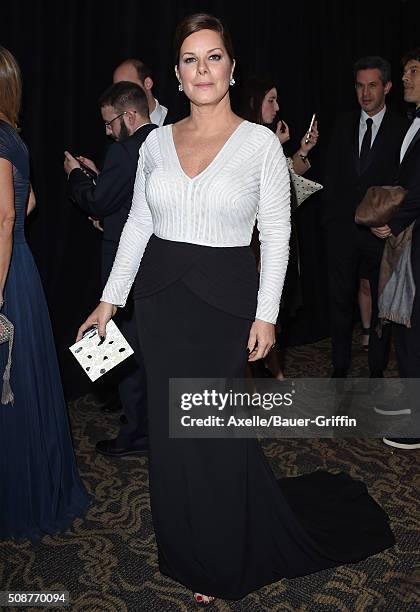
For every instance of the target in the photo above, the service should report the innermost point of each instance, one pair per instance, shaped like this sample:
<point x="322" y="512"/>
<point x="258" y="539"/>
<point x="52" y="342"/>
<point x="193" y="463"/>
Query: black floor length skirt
<point x="224" y="525"/>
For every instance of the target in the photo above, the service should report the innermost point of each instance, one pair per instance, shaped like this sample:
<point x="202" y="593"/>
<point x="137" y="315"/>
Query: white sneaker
<point x="405" y="443"/>
<point x="388" y="412"/>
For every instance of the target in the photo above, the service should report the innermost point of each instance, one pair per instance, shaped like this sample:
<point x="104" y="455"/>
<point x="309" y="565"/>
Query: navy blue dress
<point x="40" y="488"/>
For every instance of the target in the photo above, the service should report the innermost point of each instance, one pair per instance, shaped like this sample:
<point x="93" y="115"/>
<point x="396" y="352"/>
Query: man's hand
<point x="88" y="162"/>
<point x="381" y="232"/>
<point x="261" y="339"/>
<point x="96" y="224"/>
<point x="70" y="162"/>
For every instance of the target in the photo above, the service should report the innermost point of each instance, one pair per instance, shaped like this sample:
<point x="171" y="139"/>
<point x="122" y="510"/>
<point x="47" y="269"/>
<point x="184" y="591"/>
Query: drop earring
<point x="232" y="81"/>
<point x="180" y="87"/>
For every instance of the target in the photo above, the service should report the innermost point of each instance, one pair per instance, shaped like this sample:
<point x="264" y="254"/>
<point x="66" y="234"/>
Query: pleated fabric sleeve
<point x="247" y="179"/>
<point x="273" y="222"/>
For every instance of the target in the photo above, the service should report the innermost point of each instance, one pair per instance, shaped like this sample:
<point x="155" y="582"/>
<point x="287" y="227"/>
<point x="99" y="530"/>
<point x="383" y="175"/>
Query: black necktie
<point x="417" y="112"/>
<point x="366" y="142"/>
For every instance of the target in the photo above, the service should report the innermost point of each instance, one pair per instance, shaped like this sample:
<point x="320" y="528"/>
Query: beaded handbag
<point x="98" y="356"/>
<point x="300" y="187"/>
<point x="7" y="331"/>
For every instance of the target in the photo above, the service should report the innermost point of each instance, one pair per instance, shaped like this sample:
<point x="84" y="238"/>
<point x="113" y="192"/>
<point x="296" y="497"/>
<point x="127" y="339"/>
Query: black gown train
<point x="224" y="525"/>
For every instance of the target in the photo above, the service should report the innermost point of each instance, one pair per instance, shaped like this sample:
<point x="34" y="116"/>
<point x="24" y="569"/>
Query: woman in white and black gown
<point x="224" y="525"/>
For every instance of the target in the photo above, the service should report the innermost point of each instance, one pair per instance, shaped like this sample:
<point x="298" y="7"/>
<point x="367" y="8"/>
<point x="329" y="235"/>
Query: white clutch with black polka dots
<point x="97" y="357"/>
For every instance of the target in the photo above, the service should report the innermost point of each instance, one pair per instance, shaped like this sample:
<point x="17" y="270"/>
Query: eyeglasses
<point x="108" y="123"/>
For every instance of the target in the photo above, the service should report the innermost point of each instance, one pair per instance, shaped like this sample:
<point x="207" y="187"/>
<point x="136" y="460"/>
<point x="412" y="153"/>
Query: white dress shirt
<point x="158" y="115"/>
<point x="377" y="120"/>
<point x="411" y="132"/>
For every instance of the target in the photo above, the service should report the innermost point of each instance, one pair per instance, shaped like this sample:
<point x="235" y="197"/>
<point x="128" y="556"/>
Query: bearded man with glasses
<point x="125" y="112"/>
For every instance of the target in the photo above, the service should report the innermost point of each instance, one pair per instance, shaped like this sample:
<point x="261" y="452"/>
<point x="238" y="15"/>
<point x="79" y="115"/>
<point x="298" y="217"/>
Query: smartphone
<point x="310" y="127"/>
<point x="92" y="174"/>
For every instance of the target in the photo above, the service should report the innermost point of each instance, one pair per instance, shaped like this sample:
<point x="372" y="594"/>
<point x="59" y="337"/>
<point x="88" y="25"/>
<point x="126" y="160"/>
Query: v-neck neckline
<point x="215" y="158"/>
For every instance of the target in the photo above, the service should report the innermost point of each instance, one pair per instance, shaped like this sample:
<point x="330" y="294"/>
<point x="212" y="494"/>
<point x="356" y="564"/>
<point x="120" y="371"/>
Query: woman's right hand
<point x="282" y="131"/>
<point x="99" y="317"/>
<point x="310" y="139"/>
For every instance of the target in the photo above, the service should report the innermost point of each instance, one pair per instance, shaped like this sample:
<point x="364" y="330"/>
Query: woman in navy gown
<point x="40" y="489"/>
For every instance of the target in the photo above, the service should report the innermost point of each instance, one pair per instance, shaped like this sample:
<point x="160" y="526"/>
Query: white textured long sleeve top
<point x="247" y="180"/>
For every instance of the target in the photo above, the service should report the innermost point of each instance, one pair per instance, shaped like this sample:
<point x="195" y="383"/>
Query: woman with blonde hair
<point x="40" y="489"/>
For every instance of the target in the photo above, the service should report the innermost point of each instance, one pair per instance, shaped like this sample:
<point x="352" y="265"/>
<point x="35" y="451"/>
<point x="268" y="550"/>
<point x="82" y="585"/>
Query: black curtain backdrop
<point x="67" y="52"/>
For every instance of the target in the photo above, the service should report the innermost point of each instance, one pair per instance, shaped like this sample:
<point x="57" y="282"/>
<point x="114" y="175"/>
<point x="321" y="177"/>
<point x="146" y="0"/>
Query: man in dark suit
<point x="125" y="112"/>
<point x="363" y="151"/>
<point x="407" y="339"/>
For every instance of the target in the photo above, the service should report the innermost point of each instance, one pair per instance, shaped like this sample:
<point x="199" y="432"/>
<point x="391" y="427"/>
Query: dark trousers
<point x="132" y="388"/>
<point x="130" y="376"/>
<point x="407" y="345"/>
<point x="352" y="254"/>
<point x="407" y="339"/>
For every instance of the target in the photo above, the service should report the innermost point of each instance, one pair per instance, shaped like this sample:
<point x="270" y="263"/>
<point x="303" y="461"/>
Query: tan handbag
<point x="379" y="205"/>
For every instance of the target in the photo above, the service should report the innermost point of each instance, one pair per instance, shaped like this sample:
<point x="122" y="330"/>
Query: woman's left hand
<point x="310" y="139"/>
<point x="261" y="339"/>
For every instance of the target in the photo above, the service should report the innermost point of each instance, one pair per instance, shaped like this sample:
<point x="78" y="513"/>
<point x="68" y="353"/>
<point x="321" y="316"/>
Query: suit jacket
<point x="409" y="177"/>
<point x="110" y="199"/>
<point x="344" y="184"/>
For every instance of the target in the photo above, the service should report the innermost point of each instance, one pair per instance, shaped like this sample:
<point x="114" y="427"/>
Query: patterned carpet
<point x="108" y="562"/>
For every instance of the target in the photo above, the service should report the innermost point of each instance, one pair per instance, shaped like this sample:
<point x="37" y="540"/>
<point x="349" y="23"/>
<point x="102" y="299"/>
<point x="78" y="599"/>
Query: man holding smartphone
<point x="125" y="112"/>
<point x="363" y="151"/>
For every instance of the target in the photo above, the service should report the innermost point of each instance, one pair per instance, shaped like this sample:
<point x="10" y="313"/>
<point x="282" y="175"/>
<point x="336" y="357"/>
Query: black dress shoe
<point x="114" y="448"/>
<point x="339" y="373"/>
<point x="111" y="408"/>
<point x="108" y="401"/>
